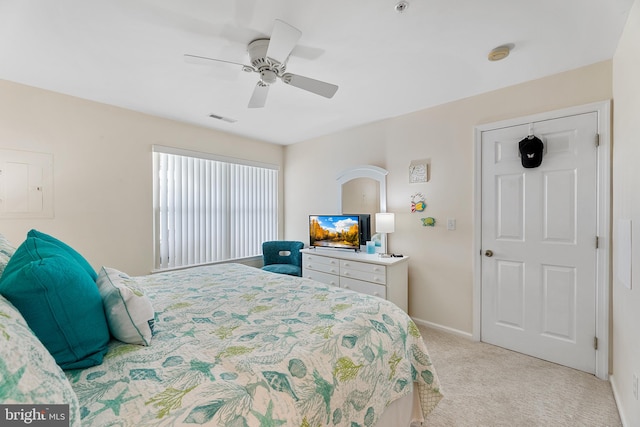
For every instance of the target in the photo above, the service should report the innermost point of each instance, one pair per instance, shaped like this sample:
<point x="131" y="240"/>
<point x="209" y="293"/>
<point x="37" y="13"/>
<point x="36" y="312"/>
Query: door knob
<point x="488" y="253"/>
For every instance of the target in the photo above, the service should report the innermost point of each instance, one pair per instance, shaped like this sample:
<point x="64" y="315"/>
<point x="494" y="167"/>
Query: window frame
<point x="273" y="211"/>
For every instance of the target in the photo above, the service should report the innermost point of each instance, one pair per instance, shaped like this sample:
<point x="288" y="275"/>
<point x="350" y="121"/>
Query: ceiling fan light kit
<point x="269" y="59"/>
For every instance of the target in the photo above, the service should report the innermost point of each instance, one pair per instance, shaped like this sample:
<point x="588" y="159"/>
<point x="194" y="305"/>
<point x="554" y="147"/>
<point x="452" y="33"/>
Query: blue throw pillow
<point x="68" y="249"/>
<point x="60" y="302"/>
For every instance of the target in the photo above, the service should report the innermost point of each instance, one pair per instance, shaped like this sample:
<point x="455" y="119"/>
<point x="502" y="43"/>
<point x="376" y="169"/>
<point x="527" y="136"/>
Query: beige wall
<point x="440" y="269"/>
<point x="102" y="169"/>
<point x="626" y="205"/>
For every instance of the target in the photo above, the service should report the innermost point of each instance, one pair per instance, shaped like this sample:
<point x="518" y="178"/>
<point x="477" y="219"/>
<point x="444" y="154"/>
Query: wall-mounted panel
<point x="26" y="184"/>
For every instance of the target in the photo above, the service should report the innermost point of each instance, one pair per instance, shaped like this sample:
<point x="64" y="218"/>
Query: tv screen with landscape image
<point x="334" y="231"/>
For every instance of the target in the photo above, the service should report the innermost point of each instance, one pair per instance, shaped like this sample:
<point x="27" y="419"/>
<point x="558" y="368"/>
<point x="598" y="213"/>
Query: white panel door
<point x="539" y="242"/>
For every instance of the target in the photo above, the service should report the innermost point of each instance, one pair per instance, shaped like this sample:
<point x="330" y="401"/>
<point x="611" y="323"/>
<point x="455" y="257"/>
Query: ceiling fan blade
<point x="195" y="59"/>
<point x="284" y="38"/>
<point x="259" y="97"/>
<point x="312" y="85"/>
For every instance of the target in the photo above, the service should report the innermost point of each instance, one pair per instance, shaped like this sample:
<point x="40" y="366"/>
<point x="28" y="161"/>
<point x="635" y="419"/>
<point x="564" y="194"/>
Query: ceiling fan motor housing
<point x="268" y="68"/>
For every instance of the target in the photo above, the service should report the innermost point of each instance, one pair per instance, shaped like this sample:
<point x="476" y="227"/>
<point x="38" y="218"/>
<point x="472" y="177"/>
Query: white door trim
<point x="603" y="222"/>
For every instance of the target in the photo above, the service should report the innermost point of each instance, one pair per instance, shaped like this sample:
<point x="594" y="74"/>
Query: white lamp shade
<point x="385" y="222"/>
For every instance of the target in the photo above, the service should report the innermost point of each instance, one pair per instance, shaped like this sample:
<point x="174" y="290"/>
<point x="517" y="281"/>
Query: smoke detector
<point x="499" y="53"/>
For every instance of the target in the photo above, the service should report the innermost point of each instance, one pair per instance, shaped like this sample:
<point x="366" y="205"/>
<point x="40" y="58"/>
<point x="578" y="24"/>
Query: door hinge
<point x="597" y="242"/>
<point x="595" y="343"/>
<point x="597" y="140"/>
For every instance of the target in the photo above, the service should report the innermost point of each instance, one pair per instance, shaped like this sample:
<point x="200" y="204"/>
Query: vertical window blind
<point x="210" y="209"/>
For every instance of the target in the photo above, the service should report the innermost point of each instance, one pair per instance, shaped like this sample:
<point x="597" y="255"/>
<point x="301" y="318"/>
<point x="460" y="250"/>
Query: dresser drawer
<point x="363" y="266"/>
<point x="319" y="276"/>
<point x="325" y="268"/>
<point x="363" y="287"/>
<point x="379" y="278"/>
<point x="319" y="259"/>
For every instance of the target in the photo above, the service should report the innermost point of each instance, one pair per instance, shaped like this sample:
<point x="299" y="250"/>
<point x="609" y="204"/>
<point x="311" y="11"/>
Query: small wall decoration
<point x="419" y="171"/>
<point x="428" y="222"/>
<point x="417" y="203"/>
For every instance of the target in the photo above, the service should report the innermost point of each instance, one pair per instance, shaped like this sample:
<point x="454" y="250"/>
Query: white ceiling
<point x="129" y="53"/>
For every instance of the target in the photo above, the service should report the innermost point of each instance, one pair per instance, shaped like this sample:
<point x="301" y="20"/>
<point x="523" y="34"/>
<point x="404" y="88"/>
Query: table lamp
<point x="385" y="223"/>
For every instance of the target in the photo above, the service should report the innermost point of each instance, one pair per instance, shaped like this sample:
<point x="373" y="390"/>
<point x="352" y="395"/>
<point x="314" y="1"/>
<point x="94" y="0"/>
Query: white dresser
<point x="367" y="273"/>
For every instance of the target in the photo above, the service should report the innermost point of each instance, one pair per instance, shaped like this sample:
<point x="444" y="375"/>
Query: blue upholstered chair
<point x="283" y="256"/>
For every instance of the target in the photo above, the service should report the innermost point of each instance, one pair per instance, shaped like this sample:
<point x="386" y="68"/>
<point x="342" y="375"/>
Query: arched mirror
<point x="363" y="186"/>
<point x="360" y="195"/>
<point x="363" y="189"/>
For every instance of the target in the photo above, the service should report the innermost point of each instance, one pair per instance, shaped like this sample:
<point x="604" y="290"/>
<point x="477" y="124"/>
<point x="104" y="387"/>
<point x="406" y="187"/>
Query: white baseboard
<point x="453" y="331"/>
<point x="616" y="397"/>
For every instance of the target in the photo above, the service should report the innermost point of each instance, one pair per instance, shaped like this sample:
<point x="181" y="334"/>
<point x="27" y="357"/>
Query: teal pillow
<point x="59" y="301"/>
<point x="68" y="249"/>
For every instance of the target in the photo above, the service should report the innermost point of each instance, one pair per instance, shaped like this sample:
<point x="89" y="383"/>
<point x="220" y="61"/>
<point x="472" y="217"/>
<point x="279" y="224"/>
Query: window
<point x="209" y="209"/>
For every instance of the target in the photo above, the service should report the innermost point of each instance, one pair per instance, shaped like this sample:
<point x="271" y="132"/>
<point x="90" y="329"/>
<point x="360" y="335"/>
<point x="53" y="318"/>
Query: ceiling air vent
<point x="224" y="119"/>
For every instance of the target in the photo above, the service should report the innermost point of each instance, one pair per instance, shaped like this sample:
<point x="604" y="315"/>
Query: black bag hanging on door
<point x="531" y="149"/>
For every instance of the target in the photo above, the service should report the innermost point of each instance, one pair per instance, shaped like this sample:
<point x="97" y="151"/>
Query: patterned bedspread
<point x="236" y="346"/>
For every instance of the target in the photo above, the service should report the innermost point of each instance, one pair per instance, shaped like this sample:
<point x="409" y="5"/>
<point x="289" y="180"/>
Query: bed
<point x="233" y="345"/>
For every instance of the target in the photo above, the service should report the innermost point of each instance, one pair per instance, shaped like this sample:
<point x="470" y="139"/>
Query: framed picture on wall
<point x="418" y="171"/>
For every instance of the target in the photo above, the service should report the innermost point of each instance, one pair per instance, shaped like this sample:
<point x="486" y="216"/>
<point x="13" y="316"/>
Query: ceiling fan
<point x="269" y="59"/>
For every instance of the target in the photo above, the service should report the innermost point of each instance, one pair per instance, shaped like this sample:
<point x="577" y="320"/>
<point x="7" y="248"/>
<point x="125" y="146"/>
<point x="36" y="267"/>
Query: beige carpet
<point x="485" y="385"/>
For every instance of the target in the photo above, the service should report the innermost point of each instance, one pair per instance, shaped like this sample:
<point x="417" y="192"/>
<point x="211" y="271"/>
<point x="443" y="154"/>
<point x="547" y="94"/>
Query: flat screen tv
<point x="342" y="231"/>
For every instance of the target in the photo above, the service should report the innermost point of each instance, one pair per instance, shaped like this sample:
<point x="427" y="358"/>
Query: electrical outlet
<point x="635" y="386"/>
<point x="451" y="224"/>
